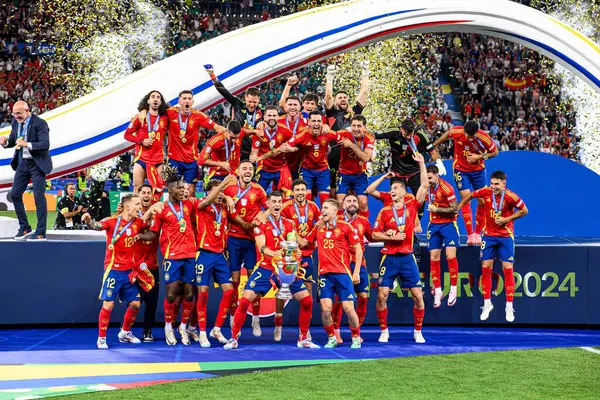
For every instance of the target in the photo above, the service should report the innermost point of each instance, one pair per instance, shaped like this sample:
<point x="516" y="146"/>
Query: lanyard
<point x="348" y="220"/>
<point x="240" y="194"/>
<point x="117" y="234"/>
<point x="432" y="194"/>
<point x="25" y="128"/>
<point x="400" y="222"/>
<point x="183" y="126"/>
<point x="251" y="118"/>
<point x="278" y="230"/>
<point x="178" y="215"/>
<point x="362" y="142"/>
<point x="271" y="140"/>
<point x="333" y="225"/>
<point x="229" y="151"/>
<point x="301" y="219"/>
<point x="287" y="123"/>
<point x="155" y="127"/>
<point x="412" y="144"/>
<point x="218" y="215"/>
<point x="498" y="207"/>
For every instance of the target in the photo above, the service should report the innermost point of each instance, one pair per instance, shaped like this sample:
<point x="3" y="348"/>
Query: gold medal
<point x="401" y="228"/>
<point x="182" y="228"/>
<point x="182" y="132"/>
<point x="217" y="233"/>
<point x="151" y="135"/>
<point x="111" y="246"/>
<point x="183" y="140"/>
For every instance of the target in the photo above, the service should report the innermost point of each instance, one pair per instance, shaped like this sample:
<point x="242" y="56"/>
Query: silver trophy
<point x="288" y="268"/>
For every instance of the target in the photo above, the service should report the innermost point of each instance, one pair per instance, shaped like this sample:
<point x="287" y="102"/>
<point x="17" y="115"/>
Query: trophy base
<point x="284" y="295"/>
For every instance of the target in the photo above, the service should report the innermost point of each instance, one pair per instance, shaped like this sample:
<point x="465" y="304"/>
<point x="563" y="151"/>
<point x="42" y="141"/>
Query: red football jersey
<point x="301" y="124"/>
<point x="211" y="235"/>
<point x="362" y="227"/>
<point x="175" y="244"/>
<point x="218" y="149"/>
<point x="386" y="221"/>
<point x="506" y="206"/>
<point x="441" y="196"/>
<point x="350" y="164"/>
<point x="136" y="132"/>
<point x="334" y="243"/>
<point x="146" y="251"/>
<point x="463" y="145"/>
<point x="248" y="203"/>
<point x="187" y="130"/>
<point x="315" y="149"/>
<point x="121" y="256"/>
<point x="272" y="238"/>
<point x="305" y="222"/>
<point x="271" y="141"/>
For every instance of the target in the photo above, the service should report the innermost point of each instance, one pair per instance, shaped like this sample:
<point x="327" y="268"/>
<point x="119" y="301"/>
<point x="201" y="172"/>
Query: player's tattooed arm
<point x="89" y="221"/>
<point x="443" y="210"/>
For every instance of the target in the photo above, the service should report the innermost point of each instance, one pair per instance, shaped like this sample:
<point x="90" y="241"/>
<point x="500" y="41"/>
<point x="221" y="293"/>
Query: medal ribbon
<point x="287" y="123"/>
<point x="348" y="220"/>
<point x="179" y="214"/>
<point x="25" y="127"/>
<point x="251" y="118"/>
<point x="116" y="233"/>
<point x="400" y="222"/>
<point x="241" y="194"/>
<point x="229" y="151"/>
<point x="271" y="145"/>
<point x="333" y="225"/>
<point x="301" y="219"/>
<point x="183" y="126"/>
<point x="155" y="127"/>
<point x="498" y="207"/>
<point x="362" y="142"/>
<point x="278" y="230"/>
<point x="413" y="145"/>
<point x="432" y="194"/>
<point x="218" y="216"/>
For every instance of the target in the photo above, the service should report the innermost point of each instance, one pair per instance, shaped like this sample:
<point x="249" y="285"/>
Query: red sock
<point x="336" y="314"/>
<point x="468" y="218"/>
<point x="435" y="273"/>
<point x="178" y="301"/>
<point x="234" y="298"/>
<point x="330" y="330"/>
<point x="322" y="197"/>
<point x="361" y="309"/>
<point x="169" y="311"/>
<point x="364" y="213"/>
<point x="103" y="321"/>
<point x="278" y="320"/>
<point x="194" y="314"/>
<point x="382" y="318"/>
<point x="486" y="283"/>
<point x="453" y="269"/>
<point x="129" y="318"/>
<point x="418" y="316"/>
<point x="186" y="311"/>
<point x="240" y="317"/>
<point x="224" y="308"/>
<point x="355" y="331"/>
<point x="479" y="219"/>
<point x="509" y="284"/>
<point x="305" y="316"/>
<point x="256" y="307"/>
<point x="201" y="310"/>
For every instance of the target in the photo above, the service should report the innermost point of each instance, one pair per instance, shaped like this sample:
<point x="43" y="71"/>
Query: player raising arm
<point x="498" y="238"/>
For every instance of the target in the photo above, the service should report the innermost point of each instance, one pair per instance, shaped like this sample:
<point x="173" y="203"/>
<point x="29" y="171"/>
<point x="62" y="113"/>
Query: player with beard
<point x="472" y="147"/>
<point x="146" y="253"/>
<point x="339" y="115"/>
<point x="313" y="142"/>
<point x="395" y="227"/>
<point x="246" y="112"/>
<point x="295" y="122"/>
<point x="272" y="170"/>
<point x="498" y="239"/>
<point x="357" y="149"/>
<point x="148" y="136"/>
<point x="222" y="152"/>
<point x="268" y="237"/>
<point x="305" y="215"/>
<point x="249" y="200"/>
<point x="210" y="260"/>
<point x="362" y="226"/>
<point x="335" y="238"/>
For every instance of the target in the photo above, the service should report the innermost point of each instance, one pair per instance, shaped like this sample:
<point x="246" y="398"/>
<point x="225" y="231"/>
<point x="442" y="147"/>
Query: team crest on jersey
<point x="109" y="292"/>
<point x="337" y="231"/>
<point x="252" y="197"/>
<point x="328" y="234"/>
<point x="439" y="195"/>
<point x="186" y="210"/>
<point x="360" y="228"/>
<point x="404" y="147"/>
<point x="252" y="284"/>
<point x="279" y="137"/>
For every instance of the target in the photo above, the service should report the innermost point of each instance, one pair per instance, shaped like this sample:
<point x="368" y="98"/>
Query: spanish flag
<point x="515" y="84"/>
<point x="285" y="181"/>
<point x="143" y="276"/>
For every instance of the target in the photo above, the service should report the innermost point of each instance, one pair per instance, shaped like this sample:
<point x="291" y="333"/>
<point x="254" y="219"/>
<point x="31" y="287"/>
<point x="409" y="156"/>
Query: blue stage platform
<point x="58" y="282"/>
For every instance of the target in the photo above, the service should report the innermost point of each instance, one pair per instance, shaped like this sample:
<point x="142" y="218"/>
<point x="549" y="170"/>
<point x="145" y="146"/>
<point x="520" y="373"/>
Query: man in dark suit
<point x="31" y="161"/>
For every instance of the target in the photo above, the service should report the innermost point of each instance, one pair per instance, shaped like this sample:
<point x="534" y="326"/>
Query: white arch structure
<point x="91" y="128"/>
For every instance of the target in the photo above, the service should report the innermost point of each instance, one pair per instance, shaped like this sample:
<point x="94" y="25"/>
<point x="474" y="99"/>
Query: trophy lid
<point x="289" y="245"/>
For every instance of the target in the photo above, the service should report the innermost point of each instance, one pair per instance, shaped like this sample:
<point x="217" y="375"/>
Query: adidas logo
<point x="351" y="297"/>
<point x="452" y="242"/>
<point x="511" y="259"/>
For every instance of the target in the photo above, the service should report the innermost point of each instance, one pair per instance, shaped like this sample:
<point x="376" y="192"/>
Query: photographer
<point x="69" y="209"/>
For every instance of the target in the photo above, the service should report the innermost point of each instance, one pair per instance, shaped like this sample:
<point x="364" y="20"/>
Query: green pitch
<point x="568" y="373"/>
